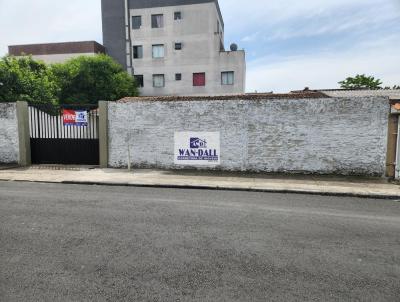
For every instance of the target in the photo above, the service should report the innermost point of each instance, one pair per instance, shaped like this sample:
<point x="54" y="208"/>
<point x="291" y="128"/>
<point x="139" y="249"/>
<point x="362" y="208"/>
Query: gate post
<point x="103" y="133"/>
<point x="23" y="134"/>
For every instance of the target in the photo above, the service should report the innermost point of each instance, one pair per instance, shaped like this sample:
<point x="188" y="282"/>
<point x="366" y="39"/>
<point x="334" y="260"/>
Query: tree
<point x="361" y="82"/>
<point x="86" y="80"/>
<point x="25" y="79"/>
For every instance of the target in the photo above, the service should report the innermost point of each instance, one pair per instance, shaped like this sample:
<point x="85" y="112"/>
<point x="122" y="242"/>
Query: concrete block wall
<point x="324" y="136"/>
<point x="9" y="141"/>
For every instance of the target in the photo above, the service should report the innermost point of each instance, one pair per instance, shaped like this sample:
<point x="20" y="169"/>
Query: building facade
<point x="173" y="47"/>
<point x="51" y="53"/>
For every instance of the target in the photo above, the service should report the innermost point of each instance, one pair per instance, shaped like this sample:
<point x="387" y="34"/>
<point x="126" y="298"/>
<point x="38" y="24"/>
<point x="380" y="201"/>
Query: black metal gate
<point x="52" y="142"/>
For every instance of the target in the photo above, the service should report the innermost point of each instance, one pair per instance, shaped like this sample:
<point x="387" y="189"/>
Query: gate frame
<point x="103" y="134"/>
<point x="25" y="158"/>
<point x="62" y="106"/>
<point x="393" y="142"/>
<point x="23" y="134"/>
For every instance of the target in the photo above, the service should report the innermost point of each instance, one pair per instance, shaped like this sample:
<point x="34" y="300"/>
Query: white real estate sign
<point x="197" y="148"/>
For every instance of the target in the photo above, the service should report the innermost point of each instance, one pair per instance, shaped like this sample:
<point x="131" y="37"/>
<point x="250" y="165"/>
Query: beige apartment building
<point x="173" y="47"/>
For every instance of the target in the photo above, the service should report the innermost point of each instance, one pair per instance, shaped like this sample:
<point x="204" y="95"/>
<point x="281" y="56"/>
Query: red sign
<point x="69" y="117"/>
<point x="75" y="118"/>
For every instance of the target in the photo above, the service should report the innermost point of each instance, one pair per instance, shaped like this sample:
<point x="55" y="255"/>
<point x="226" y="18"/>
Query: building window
<point x="158" y="80"/>
<point x="138" y="52"/>
<point x="227" y="78"/>
<point x="177" y="16"/>
<point x="199" y="79"/>
<point x="158" y="51"/>
<point x="178" y="77"/>
<point x="157" y="21"/>
<point x="139" y="80"/>
<point x="136" y="22"/>
<point x="178" y="46"/>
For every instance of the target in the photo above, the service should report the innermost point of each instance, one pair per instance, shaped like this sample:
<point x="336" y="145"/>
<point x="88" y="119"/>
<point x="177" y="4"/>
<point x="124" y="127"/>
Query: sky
<point x="290" y="44"/>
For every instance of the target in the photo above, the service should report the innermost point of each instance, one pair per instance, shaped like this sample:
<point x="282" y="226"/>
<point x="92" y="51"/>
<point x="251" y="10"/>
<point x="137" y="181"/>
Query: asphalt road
<point x="91" y="243"/>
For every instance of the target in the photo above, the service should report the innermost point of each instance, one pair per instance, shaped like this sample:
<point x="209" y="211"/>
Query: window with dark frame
<point x="137" y="51"/>
<point x="227" y="78"/>
<point x="199" y="79"/>
<point x="136" y="22"/>
<point x="178" y="46"/>
<point x="157" y="21"/>
<point x="139" y="80"/>
<point x="177" y="16"/>
<point x="178" y="77"/>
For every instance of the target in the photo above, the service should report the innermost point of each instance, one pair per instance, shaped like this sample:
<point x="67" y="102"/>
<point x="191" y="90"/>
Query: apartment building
<point x="57" y="52"/>
<point x="173" y="47"/>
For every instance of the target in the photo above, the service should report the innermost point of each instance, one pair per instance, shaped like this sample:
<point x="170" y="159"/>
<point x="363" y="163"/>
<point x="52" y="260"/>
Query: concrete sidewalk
<point x="325" y="185"/>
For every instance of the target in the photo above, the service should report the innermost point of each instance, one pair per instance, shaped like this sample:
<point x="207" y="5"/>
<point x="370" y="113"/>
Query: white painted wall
<point x="325" y="136"/>
<point x="198" y="33"/>
<point x="9" y="143"/>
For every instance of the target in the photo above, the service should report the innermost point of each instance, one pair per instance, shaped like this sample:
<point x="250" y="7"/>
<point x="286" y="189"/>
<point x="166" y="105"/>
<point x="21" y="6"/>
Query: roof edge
<point x="139" y="4"/>
<point x="56" y="48"/>
<point x="238" y="97"/>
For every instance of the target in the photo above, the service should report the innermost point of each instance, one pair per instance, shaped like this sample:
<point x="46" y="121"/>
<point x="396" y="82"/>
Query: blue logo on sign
<point x="198" y="151"/>
<point x="81" y="118"/>
<point x="197" y="143"/>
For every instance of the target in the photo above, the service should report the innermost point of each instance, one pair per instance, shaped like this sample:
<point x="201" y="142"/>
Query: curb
<point x="220" y="188"/>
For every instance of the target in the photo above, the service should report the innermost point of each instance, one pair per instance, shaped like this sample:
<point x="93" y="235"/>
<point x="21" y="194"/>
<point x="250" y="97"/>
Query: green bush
<point x="86" y="80"/>
<point x="25" y="79"/>
<point x="81" y="80"/>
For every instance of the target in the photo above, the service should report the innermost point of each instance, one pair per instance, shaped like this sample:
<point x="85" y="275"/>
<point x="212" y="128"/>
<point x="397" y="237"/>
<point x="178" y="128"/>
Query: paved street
<point x="100" y="243"/>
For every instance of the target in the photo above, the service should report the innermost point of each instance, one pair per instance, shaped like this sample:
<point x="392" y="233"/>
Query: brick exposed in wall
<point x="337" y="135"/>
<point x="9" y="145"/>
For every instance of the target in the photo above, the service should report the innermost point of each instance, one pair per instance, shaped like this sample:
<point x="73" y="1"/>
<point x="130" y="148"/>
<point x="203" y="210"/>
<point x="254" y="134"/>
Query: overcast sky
<point x="290" y="44"/>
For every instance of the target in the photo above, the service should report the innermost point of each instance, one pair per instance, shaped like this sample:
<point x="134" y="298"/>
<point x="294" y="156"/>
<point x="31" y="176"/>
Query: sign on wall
<point x="75" y="117"/>
<point x="197" y="148"/>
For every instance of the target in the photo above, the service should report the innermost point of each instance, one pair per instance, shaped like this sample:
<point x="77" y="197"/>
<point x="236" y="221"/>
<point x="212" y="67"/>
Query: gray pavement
<point x="100" y="243"/>
<point x="277" y="183"/>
